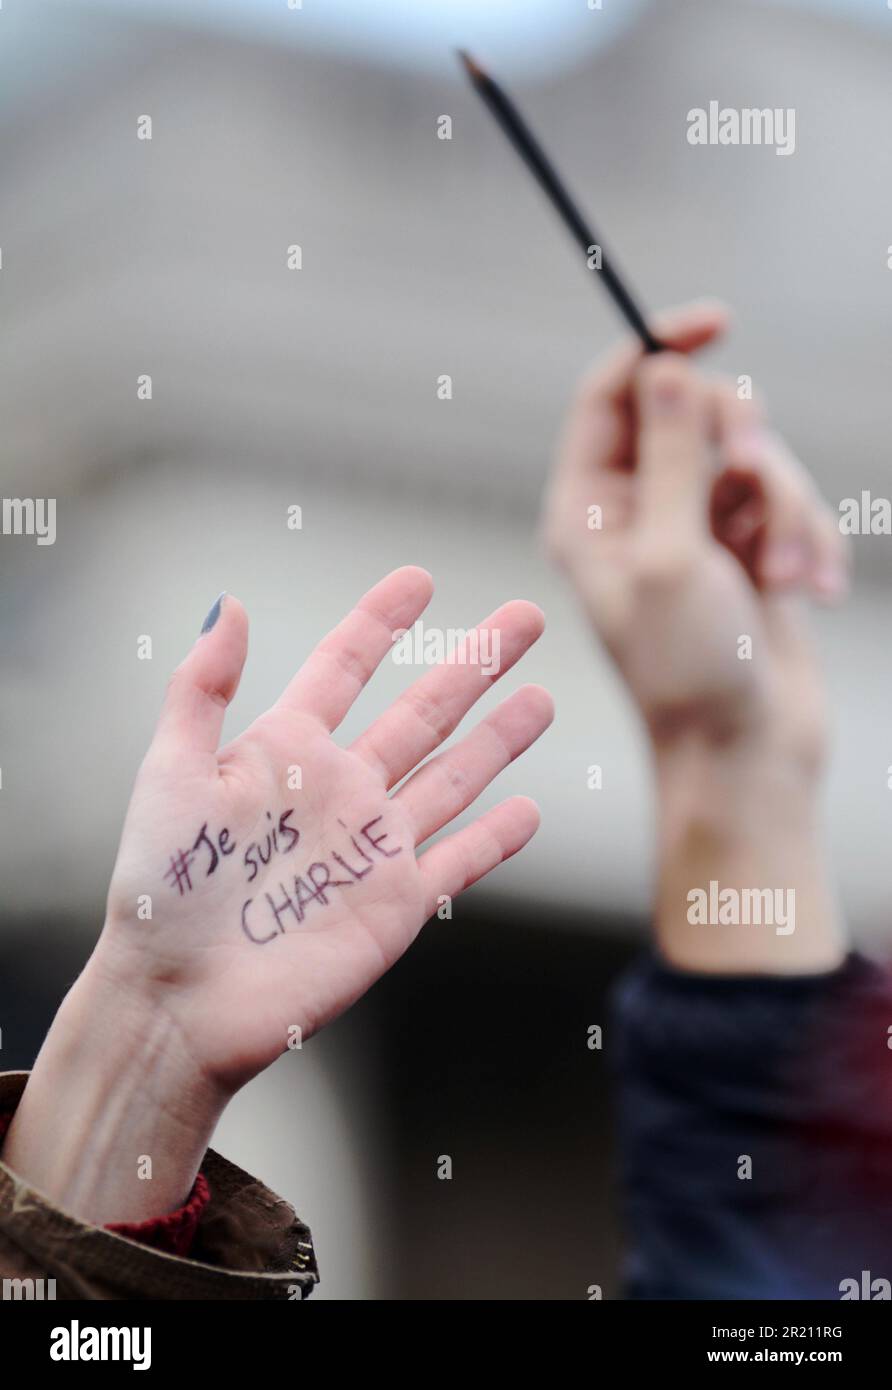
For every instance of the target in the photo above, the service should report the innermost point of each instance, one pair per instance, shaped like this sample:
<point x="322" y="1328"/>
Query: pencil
<point x="533" y="155"/>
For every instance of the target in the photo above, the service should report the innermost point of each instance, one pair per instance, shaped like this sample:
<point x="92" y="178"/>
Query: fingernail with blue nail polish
<point x="214" y="613"/>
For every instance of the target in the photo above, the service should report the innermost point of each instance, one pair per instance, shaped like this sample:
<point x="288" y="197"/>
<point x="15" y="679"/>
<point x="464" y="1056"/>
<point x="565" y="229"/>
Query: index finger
<point x="597" y="437"/>
<point x="684" y="329"/>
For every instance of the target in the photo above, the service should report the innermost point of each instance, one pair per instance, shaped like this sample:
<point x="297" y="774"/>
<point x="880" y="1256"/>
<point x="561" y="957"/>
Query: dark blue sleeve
<point x="787" y="1079"/>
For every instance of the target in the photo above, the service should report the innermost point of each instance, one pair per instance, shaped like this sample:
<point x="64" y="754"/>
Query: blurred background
<point x="317" y="126"/>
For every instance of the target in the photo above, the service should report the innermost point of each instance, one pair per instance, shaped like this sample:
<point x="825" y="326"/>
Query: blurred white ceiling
<point x="527" y="35"/>
<point x="523" y="38"/>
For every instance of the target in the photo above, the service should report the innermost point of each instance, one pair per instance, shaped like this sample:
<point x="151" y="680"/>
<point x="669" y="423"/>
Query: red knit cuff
<point x="173" y="1233"/>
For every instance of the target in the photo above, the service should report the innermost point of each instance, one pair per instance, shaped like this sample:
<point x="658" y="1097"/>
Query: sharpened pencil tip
<point x="473" y="69"/>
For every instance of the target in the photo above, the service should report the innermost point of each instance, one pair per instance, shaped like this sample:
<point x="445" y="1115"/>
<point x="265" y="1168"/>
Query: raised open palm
<point x="261" y="888"/>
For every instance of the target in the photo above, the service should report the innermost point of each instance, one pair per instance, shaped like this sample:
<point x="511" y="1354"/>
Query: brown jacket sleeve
<point x="249" y="1243"/>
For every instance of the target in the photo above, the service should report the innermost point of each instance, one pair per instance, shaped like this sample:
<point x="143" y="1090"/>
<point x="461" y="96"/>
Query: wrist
<point x="761" y="728"/>
<point x="740" y="825"/>
<point x="115" y="1118"/>
<point x="731" y="782"/>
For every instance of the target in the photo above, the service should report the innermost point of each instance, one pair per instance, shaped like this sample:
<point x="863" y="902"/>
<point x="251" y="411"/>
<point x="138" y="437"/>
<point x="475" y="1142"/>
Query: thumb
<point x="673" y="454"/>
<point x="204" y="683"/>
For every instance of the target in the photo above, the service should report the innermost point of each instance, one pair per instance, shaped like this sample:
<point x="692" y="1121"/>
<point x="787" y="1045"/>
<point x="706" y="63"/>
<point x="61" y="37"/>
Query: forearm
<point x="740" y="838"/>
<point x="115" y="1119"/>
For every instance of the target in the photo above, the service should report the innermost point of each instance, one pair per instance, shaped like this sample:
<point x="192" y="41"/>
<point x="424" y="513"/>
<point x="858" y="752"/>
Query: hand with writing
<point x="262" y="887"/>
